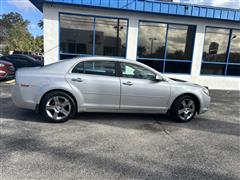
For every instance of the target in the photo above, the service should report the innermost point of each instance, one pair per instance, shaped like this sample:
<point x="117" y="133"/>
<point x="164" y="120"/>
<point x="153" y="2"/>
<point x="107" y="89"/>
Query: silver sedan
<point x="99" y="84"/>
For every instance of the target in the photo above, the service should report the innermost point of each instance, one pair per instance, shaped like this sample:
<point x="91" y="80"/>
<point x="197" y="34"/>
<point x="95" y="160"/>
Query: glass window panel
<point x="76" y="34"/>
<point x="180" y="42"/>
<point x="157" y="65"/>
<point x="106" y="68"/>
<point x="215" y="45"/>
<point x="233" y="70"/>
<point x="215" y="69"/>
<point x="151" y="40"/>
<point x="67" y="56"/>
<point x="110" y="37"/>
<point x="178" y="67"/>
<point x="78" y="68"/>
<point x="134" y="71"/>
<point x="234" y="56"/>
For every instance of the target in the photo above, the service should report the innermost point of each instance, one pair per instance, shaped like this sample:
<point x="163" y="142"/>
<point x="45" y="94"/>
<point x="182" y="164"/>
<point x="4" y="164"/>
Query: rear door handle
<point x="128" y="83"/>
<point x="77" y="79"/>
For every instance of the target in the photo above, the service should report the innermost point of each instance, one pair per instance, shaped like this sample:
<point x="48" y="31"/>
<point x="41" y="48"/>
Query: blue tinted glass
<point x="214" y="69"/>
<point x="110" y="37"/>
<point x="215" y="45"/>
<point x="76" y="34"/>
<point x="180" y="42"/>
<point x="151" y="40"/>
<point x="234" y="56"/>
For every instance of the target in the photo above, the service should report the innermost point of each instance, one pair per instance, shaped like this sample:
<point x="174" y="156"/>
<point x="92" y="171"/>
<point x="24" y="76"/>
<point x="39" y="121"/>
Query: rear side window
<point x="106" y="68"/>
<point x="78" y="68"/>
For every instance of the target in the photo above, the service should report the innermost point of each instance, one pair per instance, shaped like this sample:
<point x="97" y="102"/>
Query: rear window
<point x="105" y="68"/>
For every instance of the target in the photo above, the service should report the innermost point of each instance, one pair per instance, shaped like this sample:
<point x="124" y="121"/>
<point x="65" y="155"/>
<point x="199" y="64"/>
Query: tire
<point x="183" y="109"/>
<point x="57" y="107"/>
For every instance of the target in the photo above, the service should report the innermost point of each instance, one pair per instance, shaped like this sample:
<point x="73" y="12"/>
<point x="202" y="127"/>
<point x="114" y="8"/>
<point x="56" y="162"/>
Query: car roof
<point x="104" y="58"/>
<point x="66" y="64"/>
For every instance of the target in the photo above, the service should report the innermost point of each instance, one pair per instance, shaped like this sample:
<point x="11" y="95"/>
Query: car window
<point x="106" y="68"/>
<point x="3" y="58"/>
<point x="134" y="71"/>
<point x="12" y="58"/>
<point x="7" y="58"/>
<point x="78" y="68"/>
<point x="23" y="60"/>
<point x="29" y="58"/>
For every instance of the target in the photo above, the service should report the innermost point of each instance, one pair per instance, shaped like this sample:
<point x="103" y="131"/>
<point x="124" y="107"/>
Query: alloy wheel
<point x="186" y="109"/>
<point x="58" y="107"/>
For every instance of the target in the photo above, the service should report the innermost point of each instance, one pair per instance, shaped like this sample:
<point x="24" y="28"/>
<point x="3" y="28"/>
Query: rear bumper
<point x="19" y="100"/>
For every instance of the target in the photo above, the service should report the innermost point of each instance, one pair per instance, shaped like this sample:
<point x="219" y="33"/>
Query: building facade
<point x="195" y="43"/>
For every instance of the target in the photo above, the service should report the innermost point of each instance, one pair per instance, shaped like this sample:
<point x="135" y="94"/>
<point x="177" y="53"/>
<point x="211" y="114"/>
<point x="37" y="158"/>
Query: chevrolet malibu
<point x="99" y="84"/>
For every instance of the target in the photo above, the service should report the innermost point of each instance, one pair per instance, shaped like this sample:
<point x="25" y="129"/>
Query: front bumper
<point x="206" y="100"/>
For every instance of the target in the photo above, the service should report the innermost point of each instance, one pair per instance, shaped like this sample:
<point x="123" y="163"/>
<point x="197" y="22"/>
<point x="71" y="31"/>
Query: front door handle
<point x="77" y="79"/>
<point x="128" y="83"/>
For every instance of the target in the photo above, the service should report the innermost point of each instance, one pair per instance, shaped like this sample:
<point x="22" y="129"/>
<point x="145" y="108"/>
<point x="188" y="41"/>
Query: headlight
<point x="205" y="90"/>
<point x="2" y="65"/>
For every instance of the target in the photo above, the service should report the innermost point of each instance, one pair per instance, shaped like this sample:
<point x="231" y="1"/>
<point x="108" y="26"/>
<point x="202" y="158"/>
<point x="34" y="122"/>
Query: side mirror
<point x="158" y="78"/>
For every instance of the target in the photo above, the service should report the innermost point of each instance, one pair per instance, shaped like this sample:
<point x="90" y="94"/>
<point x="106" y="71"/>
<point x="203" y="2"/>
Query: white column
<point x="132" y="38"/>
<point x="51" y="34"/>
<point x="198" y="50"/>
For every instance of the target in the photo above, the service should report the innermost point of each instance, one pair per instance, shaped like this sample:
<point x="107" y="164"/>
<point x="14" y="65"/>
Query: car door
<point x="141" y="91"/>
<point x="98" y="84"/>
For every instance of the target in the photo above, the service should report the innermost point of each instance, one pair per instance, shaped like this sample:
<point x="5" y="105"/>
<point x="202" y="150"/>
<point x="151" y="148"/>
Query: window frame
<point x="94" y="33"/>
<point x="115" y="68"/>
<point x="230" y="47"/>
<point x="164" y="60"/>
<point x="227" y="62"/>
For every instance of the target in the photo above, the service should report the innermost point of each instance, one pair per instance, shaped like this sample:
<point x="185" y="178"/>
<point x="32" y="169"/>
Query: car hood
<point x="183" y="82"/>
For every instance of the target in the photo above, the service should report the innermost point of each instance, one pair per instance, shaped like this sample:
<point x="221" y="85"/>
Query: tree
<point x="38" y="44"/>
<point x="18" y="37"/>
<point x="40" y="24"/>
<point x="13" y="18"/>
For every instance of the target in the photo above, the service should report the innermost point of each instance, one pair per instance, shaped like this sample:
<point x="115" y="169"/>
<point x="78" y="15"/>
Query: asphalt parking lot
<point x="121" y="146"/>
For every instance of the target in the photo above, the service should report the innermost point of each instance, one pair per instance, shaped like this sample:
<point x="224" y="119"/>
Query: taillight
<point x="2" y="72"/>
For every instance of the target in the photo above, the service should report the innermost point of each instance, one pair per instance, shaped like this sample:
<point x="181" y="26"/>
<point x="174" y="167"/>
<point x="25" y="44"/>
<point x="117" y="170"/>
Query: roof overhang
<point x="152" y="6"/>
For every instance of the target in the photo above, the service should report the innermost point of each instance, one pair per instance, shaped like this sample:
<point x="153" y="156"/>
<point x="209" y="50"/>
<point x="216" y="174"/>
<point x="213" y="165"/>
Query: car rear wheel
<point x="57" y="107"/>
<point x="183" y="109"/>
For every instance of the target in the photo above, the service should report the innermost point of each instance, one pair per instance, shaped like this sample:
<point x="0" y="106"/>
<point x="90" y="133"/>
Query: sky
<point x="32" y="14"/>
<point x="27" y="10"/>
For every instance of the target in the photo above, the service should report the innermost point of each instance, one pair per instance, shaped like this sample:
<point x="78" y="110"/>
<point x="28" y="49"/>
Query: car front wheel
<point x="184" y="109"/>
<point x="57" y="107"/>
